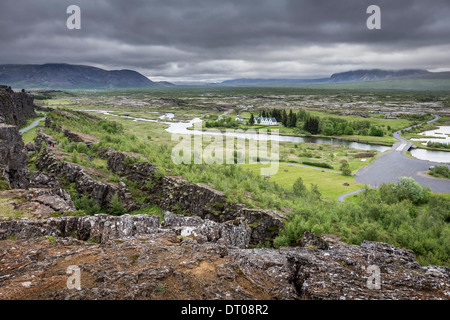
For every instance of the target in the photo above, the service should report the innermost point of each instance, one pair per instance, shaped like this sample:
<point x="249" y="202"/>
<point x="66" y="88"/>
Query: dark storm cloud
<point x="208" y="39"/>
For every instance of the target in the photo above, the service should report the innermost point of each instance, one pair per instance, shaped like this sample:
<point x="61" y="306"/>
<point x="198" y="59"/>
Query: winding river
<point x="183" y="128"/>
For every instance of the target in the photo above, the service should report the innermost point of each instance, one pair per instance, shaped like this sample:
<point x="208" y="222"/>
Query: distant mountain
<point x="165" y="83"/>
<point x="357" y="76"/>
<point x="67" y="76"/>
<point x="376" y="75"/>
<point x="271" y="82"/>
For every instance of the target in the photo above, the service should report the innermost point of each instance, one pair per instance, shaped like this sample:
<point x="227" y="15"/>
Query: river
<point x="182" y="128"/>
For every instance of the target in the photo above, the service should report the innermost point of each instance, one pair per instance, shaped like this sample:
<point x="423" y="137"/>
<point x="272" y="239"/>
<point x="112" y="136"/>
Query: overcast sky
<point x="209" y="40"/>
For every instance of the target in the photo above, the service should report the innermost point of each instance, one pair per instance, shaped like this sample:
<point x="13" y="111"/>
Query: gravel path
<point x="31" y="126"/>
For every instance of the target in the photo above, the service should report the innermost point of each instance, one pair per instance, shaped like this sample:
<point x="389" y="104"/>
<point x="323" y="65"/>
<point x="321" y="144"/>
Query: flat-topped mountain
<point x="355" y="76"/>
<point x="376" y="75"/>
<point x="67" y="76"/>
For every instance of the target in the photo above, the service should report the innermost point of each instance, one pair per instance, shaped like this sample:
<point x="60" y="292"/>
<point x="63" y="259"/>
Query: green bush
<point x="159" y="173"/>
<point x="116" y="206"/>
<point x="298" y="188"/>
<point x="440" y="171"/>
<point x="345" y="168"/>
<point x="87" y="204"/>
<point x="4" y="185"/>
<point x="82" y="148"/>
<point x="318" y="164"/>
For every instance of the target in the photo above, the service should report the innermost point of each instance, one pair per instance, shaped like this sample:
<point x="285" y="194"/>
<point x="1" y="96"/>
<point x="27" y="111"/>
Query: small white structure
<point x="241" y="106"/>
<point x="239" y="118"/>
<point x="266" y="121"/>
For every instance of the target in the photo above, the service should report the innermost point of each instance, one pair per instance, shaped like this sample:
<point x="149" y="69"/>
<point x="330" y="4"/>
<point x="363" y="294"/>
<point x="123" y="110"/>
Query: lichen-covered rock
<point x="345" y="272"/>
<point x="135" y="258"/>
<point x="56" y="199"/>
<point x="311" y="241"/>
<point x="104" y="227"/>
<point x="231" y="233"/>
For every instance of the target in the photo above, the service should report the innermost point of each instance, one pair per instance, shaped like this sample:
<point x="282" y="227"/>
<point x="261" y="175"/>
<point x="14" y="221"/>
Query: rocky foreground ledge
<point x="139" y="257"/>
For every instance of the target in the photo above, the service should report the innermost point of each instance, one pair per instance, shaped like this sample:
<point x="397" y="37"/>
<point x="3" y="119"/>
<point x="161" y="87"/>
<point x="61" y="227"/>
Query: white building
<point x="266" y="121"/>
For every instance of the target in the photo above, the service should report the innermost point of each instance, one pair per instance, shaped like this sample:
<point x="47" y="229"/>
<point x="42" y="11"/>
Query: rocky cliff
<point x="15" y="107"/>
<point x="137" y="257"/>
<point x="101" y="192"/>
<point x="175" y="193"/>
<point x="13" y="157"/>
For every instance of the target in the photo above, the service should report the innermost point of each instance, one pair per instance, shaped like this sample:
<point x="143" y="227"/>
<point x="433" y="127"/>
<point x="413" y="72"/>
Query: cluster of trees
<point x="404" y="214"/>
<point x="330" y="126"/>
<point x="440" y="145"/>
<point x="225" y="122"/>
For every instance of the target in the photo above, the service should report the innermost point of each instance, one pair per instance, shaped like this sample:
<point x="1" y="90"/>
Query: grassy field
<point x="330" y="184"/>
<point x="147" y="131"/>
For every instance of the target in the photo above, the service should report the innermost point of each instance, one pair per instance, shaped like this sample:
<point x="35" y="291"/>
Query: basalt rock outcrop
<point x="128" y="165"/>
<point x="38" y="203"/>
<point x="136" y="257"/>
<point x="103" y="228"/>
<point x="13" y="157"/>
<point x="15" y="107"/>
<point x="100" y="192"/>
<point x="43" y="138"/>
<point x="177" y="194"/>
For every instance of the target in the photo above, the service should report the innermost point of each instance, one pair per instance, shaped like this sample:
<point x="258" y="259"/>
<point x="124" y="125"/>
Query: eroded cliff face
<point x="13" y="157"/>
<point x="15" y="107"/>
<point x="169" y="193"/>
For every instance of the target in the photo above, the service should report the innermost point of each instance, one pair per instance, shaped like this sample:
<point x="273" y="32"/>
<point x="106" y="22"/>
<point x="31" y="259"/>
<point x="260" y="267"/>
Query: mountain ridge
<point x="69" y="76"/>
<point x="354" y="76"/>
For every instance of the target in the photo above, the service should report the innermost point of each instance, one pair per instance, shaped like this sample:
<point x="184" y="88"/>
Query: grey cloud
<point x="225" y="39"/>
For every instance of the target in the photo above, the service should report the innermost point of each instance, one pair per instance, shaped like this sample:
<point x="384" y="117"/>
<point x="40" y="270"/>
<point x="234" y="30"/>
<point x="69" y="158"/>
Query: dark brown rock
<point x="15" y="107"/>
<point x="13" y="156"/>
